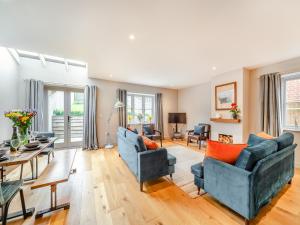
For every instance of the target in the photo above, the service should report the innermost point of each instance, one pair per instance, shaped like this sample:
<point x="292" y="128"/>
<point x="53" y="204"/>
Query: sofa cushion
<point x="198" y="129"/>
<point x="171" y="160"/>
<point x="224" y="152"/>
<point x="197" y="170"/>
<point x="252" y="154"/>
<point x="284" y="140"/>
<point x="135" y="140"/>
<point x="255" y="140"/>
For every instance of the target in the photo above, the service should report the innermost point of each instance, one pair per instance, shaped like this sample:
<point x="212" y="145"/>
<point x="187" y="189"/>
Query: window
<point x="140" y="108"/>
<point x="291" y="101"/>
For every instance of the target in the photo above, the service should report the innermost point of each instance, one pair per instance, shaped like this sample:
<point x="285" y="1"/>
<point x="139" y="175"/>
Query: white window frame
<point x="284" y="79"/>
<point x="143" y="106"/>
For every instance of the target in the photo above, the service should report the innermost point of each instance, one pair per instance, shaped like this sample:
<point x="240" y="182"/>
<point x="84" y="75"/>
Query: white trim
<point x="284" y="79"/>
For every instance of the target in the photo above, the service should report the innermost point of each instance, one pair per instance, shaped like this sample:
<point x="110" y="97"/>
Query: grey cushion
<point x="148" y="130"/>
<point x="198" y="129"/>
<point x="252" y="154"/>
<point x="255" y="140"/>
<point x="284" y="140"/>
<point x="197" y="169"/>
<point x="171" y="159"/>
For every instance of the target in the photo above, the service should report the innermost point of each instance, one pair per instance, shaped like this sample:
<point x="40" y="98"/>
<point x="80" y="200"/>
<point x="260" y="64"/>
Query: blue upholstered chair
<point x="146" y="165"/>
<point x="150" y="132"/>
<point x="201" y="132"/>
<point x="262" y="169"/>
<point x="50" y="150"/>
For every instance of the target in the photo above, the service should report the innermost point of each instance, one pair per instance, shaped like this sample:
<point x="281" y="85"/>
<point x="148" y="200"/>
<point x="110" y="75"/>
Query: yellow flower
<point x="24" y="119"/>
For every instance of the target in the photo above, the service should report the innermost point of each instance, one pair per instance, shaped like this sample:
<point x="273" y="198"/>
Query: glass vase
<point x="23" y="135"/>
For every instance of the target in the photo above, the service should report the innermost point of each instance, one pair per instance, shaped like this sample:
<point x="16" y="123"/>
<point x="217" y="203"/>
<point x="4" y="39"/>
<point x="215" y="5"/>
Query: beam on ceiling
<point x="14" y="54"/>
<point x="42" y="58"/>
<point x="67" y="65"/>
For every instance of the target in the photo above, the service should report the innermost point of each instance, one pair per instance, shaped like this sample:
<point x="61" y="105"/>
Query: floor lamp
<point x="118" y="104"/>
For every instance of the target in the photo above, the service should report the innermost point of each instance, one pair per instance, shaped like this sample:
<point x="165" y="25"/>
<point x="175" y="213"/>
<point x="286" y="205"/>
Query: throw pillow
<point x="264" y="135"/>
<point x="198" y="129"/>
<point x="150" y="144"/>
<point x="224" y="152"/>
<point x="252" y="154"/>
<point x="284" y="140"/>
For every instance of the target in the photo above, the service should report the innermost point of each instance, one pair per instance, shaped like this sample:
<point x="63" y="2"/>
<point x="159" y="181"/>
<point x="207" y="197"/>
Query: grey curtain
<point x="271" y="103"/>
<point x="34" y="100"/>
<point x="159" y="120"/>
<point x="90" y="140"/>
<point x="122" y="97"/>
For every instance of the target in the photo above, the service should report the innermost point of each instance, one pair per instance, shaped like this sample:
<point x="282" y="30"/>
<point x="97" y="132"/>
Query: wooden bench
<point x="57" y="171"/>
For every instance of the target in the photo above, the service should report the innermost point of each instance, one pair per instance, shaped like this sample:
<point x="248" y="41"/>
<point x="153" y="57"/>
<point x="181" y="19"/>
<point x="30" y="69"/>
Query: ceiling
<point x="177" y="42"/>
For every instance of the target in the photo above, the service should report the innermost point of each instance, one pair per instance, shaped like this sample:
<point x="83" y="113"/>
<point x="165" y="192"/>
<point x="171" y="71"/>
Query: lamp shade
<point x="119" y="104"/>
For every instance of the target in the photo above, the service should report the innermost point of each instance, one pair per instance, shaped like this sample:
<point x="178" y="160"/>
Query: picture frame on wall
<point x="225" y="95"/>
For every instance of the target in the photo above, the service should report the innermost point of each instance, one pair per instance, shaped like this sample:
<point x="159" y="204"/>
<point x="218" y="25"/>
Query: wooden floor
<point x="103" y="191"/>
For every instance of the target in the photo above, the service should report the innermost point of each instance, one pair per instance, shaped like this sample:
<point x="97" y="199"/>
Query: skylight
<point x="49" y="58"/>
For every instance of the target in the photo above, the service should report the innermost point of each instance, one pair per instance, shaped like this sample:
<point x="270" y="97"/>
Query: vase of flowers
<point x="22" y="120"/>
<point x="234" y="111"/>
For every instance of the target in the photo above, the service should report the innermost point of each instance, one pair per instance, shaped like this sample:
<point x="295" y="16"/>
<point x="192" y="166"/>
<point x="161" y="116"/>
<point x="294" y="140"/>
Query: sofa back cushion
<point x="255" y="140"/>
<point x="224" y="152"/>
<point x="252" y="154"/>
<point x="284" y="140"/>
<point x="134" y="140"/>
<point x="199" y="129"/>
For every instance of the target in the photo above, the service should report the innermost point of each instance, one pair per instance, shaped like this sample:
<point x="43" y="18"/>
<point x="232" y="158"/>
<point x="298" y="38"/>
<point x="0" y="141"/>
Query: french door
<point x="64" y="115"/>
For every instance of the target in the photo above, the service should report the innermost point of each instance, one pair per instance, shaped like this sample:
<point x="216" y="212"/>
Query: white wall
<point x="237" y="130"/>
<point x="106" y="91"/>
<point x="9" y="80"/>
<point x="288" y="66"/>
<point x="195" y="101"/>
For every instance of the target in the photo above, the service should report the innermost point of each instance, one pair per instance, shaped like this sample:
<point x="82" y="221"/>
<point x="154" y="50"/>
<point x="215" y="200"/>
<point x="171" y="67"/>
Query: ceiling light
<point x="131" y="37"/>
<point x="214" y="68"/>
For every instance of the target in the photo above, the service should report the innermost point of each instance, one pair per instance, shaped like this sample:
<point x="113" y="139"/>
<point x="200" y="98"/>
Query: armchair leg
<point x="141" y="186"/>
<point x="198" y="190"/>
<point x="247" y="222"/>
<point x="290" y="182"/>
<point x="171" y="176"/>
<point x="160" y="142"/>
<point x="199" y="144"/>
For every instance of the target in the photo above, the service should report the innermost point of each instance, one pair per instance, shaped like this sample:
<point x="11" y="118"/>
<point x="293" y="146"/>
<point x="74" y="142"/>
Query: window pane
<point x="148" y="102"/>
<point x="138" y="102"/>
<point x="292" y="113"/>
<point x="129" y="102"/>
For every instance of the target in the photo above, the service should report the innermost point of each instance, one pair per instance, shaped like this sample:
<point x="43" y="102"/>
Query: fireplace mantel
<point x="224" y="120"/>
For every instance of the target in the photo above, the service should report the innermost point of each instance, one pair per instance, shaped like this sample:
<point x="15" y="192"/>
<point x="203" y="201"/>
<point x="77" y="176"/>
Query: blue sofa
<point x="261" y="170"/>
<point x="145" y="164"/>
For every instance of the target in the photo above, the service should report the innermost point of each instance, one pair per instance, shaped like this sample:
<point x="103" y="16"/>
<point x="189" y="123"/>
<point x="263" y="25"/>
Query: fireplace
<point x="225" y="138"/>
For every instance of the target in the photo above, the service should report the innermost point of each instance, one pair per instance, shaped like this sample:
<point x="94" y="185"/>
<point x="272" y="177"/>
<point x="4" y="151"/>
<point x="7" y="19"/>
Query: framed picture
<point x="225" y="94"/>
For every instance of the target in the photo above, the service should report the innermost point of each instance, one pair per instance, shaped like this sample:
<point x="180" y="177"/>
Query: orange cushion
<point x="150" y="144"/>
<point x="264" y="135"/>
<point x="224" y="152"/>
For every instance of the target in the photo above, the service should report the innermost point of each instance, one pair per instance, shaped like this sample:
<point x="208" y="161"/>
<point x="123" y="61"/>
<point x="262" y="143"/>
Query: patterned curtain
<point x="90" y="140"/>
<point x="159" y="122"/>
<point x="122" y="97"/>
<point x="271" y="103"/>
<point x="34" y="100"/>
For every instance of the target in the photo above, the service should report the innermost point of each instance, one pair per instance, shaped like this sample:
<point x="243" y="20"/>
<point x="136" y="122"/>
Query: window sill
<point x="291" y="129"/>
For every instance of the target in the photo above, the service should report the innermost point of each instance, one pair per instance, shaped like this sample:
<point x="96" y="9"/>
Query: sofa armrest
<point x="152" y="164"/>
<point x="230" y="185"/>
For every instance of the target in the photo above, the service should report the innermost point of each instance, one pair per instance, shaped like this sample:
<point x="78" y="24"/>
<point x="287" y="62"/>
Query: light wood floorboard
<point x="104" y="192"/>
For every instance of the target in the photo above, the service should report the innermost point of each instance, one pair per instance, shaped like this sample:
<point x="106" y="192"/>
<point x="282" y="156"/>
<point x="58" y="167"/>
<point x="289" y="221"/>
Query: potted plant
<point x="149" y="118"/>
<point x="129" y="118"/>
<point x="140" y="117"/>
<point x="234" y="110"/>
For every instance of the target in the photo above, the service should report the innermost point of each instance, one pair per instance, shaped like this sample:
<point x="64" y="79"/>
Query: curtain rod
<point x="64" y="85"/>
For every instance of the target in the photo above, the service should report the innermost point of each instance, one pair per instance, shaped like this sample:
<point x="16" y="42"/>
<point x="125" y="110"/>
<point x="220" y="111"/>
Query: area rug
<point x="185" y="158"/>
